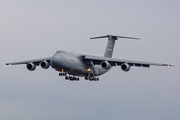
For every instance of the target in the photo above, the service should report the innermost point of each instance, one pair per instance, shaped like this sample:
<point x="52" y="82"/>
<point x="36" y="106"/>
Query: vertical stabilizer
<point x="110" y="46"/>
<point x="111" y="42"/>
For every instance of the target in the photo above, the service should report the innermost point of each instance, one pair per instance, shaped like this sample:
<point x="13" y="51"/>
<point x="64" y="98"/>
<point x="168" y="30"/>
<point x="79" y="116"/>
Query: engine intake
<point x="31" y="66"/>
<point x="45" y="64"/>
<point x="105" y="65"/>
<point x="125" y="67"/>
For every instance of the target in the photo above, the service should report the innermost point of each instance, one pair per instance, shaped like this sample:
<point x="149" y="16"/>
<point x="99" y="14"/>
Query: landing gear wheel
<point x="67" y="78"/>
<point x="60" y="74"/>
<point x="71" y="78"/>
<point x="91" y="79"/>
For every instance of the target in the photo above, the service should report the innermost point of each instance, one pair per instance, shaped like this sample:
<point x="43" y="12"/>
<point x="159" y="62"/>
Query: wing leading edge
<point x="118" y="62"/>
<point x="35" y="61"/>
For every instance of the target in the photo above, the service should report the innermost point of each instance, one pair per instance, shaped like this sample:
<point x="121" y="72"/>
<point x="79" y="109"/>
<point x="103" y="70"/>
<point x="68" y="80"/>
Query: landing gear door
<point x="71" y="63"/>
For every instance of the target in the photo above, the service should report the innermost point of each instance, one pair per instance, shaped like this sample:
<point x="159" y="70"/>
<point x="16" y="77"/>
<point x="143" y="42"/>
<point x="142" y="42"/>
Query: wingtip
<point x="169" y="65"/>
<point x="8" y="64"/>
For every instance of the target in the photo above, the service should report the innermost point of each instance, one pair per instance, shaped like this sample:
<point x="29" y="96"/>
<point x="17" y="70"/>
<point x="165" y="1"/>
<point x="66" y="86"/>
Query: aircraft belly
<point x="99" y="70"/>
<point x="78" y="68"/>
<point x="81" y="70"/>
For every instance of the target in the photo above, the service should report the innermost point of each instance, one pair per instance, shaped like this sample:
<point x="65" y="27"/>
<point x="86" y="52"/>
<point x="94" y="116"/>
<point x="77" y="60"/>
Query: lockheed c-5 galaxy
<point x="73" y="65"/>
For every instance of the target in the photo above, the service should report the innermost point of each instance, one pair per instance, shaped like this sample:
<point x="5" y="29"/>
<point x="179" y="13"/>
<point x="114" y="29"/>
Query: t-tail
<point x="111" y="42"/>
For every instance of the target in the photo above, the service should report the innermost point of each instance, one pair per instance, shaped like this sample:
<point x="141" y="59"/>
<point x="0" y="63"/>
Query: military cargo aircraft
<point x="73" y="65"/>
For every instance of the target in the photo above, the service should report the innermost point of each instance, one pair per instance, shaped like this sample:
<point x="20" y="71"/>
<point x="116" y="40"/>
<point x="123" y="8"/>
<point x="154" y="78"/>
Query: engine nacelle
<point x="31" y="66"/>
<point x="105" y="65"/>
<point x="45" y="64"/>
<point x="125" y="67"/>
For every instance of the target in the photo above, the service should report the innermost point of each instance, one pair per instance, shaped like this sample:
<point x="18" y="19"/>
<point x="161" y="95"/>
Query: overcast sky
<point x="31" y="29"/>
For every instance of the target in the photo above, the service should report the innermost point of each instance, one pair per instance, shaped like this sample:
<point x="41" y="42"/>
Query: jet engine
<point x="31" y="66"/>
<point x="105" y="65"/>
<point x="125" y="67"/>
<point x="45" y="64"/>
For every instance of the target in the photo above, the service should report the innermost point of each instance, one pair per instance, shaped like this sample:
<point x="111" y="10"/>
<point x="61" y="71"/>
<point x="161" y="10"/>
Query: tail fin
<point x="111" y="42"/>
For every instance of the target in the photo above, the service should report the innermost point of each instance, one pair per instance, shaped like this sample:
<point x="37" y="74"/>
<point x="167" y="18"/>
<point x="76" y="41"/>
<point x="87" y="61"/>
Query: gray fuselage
<point x="74" y="64"/>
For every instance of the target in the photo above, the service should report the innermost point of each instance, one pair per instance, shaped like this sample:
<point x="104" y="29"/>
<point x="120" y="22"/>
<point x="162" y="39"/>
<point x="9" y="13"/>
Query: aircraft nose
<point x="55" y="61"/>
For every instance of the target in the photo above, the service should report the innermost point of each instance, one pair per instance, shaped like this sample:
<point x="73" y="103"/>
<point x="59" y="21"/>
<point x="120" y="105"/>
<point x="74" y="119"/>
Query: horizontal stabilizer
<point x="115" y="37"/>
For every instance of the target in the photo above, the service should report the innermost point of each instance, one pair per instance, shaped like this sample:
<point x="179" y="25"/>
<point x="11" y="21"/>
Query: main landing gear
<point x="92" y="79"/>
<point x="72" y="78"/>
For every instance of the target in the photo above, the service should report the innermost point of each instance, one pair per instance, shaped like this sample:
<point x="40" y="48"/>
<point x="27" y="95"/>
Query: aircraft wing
<point x="35" y="61"/>
<point x="117" y="62"/>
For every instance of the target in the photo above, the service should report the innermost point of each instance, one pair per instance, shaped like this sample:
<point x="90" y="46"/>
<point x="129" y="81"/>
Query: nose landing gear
<point x="62" y="74"/>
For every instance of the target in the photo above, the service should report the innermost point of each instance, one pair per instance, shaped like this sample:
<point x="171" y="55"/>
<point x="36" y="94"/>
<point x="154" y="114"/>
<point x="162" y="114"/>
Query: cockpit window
<point x="60" y="51"/>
